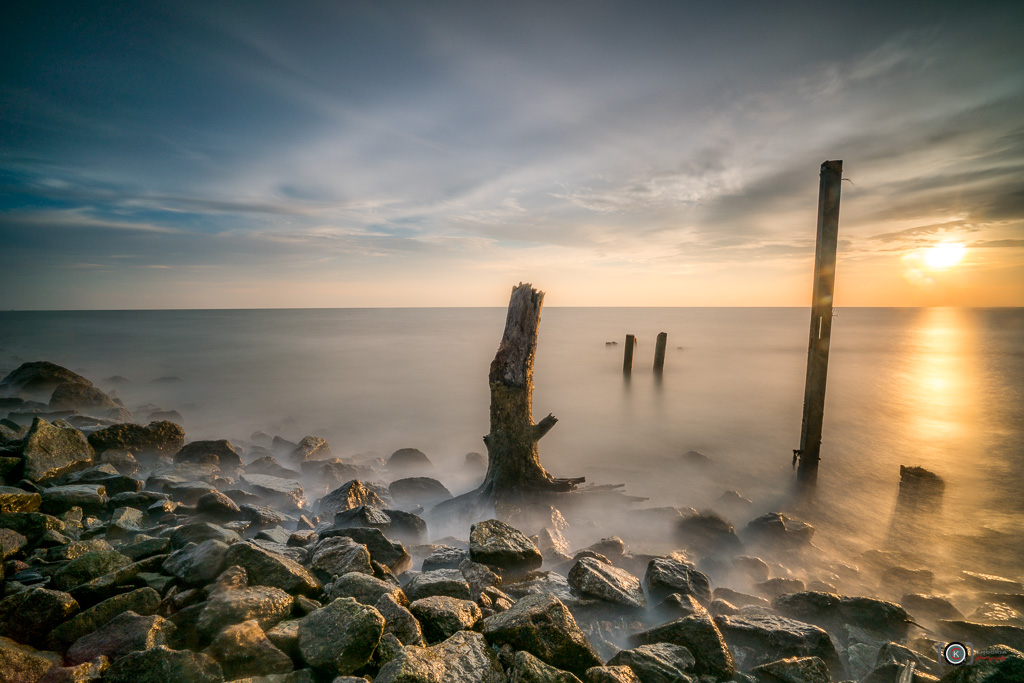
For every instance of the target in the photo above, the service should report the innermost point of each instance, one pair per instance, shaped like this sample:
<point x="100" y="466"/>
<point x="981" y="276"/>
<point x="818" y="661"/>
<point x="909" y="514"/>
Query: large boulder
<point x="347" y="496"/>
<point x="657" y="663"/>
<point x="441" y="616"/>
<point x="464" y="657"/>
<point x="270" y="569"/>
<point x="29" y="616"/>
<point x="81" y="397"/>
<point x="38" y="379"/>
<point x="50" y="451"/>
<point x="592" y="577"/>
<point x="701" y="637"/>
<point x="544" y="627"/>
<point x="341" y="636"/>
<point x="266" y="604"/>
<point x="414" y="491"/>
<point x="773" y="637"/>
<point x="156" y="440"/>
<point x="391" y="554"/>
<point x="23" y="663"/>
<point x="338" y="555"/>
<point x="220" y="453"/>
<point x="409" y="461"/>
<point x="127" y="632"/>
<point x="497" y="544"/>
<point x="161" y="664"/>
<point x="244" y="650"/>
<point x="666" y="576"/>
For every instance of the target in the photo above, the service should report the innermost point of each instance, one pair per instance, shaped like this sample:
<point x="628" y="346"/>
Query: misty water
<point x="939" y="388"/>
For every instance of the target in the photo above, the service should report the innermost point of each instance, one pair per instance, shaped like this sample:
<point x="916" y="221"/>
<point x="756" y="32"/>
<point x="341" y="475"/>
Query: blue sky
<point x="251" y="154"/>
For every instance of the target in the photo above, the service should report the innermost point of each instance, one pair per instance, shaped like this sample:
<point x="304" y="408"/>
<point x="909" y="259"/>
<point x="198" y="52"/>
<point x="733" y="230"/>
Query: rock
<point x="665" y="576"/>
<point x="143" y="601"/>
<point x="611" y="674"/>
<point x="409" y="461"/>
<point x="127" y="632"/>
<point x="772" y="637"/>
<point x="497" y="544"/>
<point x="57" y="500"/>
<point x="286" y="637"/>
<point x="414" y="491"/>
<point x="780" y="585"/>
<point x="244" y="650"/>
<point x="347" y="496"/>
<point x="268" y="464"/>
<point x="981" y="635"/>
<point x="89" y="566"/>
<point x="218" y="506"/>
<point x="340" y="637"/>
<point x="994" y="664"/>
<point x="262" y="515"/>
<point x="198" y="564"/>
<point x="311" y="448"/>
<point x="29" y="616"/>
<point x="266" y="604"/>
<point x="82" y="673"/>
<point x="31" y="525"/>
<point x="739" y="599"/>
<point x="18" y="500"/>
<point x="544" y="627"/>
<point x="50" y="451"/>
<point x="706" y="533"/>
<point x="795" y="670"/>
<point x="528" y="669"/>
<point x="701" y="637"/>
<point x="464" y="657"/>
<point x="220" y="453"/>
<point x="444" y="557"/>
<point x="441" y="616"/>
<point x="391" y="554"/>
<point x="160" y="664"/>
<point x="448" y="582"/>
<point x="399" y="621"/>
<point x="121" y="460"/>
<point x="21" y="663"/>
<point x="479" y="578"/>
<point x="286" y="492"/>
<point x="11" y="543"/>
<point x="107" y="476"/>
<point x="155" y="440"/>
<point x="81" y="397"/>
<point x="606" y="582"/>
<point x="364" y="588"/>
<point x="990" y="582"/>
<point x="656" y="663"/>
<point x="363" y="516"/>
<point x="677" y="605"/>
<point x="269" y="569"/>
<point x="198" y="532"/>
<point x="406" y="526"/>
<point x="338" y="555"/>
<point x="996" y="613"/>
<point x="829" y="611"/>
<point x="38" y="379"/>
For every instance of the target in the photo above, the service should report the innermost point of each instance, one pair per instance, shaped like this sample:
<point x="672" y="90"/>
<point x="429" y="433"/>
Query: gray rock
<point x="244" y="650"/>
<point x="155" y="440"/>
<point x="550" y="583"/>
<point x="266" y="604"/>
<point x="127" y="632"/>
<point x="338" y="555"/>
<point x="57" y="500"/>
<point x="11" y="543"/>
<point x="795" y="670"/>
<point x="448" y="582"/>
<point x="657" y="663"/>
<point x="31" y="525"/>
<point x="125" y="522"/>
<point x="270" y="569"/>
<point x="608" y="583"/>
<point x="280" y="491"/>
<point x="311" y="448"/>
<point x="23" y="663"/>
<point x="528" y="669"/>
<point x="409" y="461"/>
<point x="699" y="635"/>
<point x="197" y="532"/>
<point x="263" y="515"/>
<point x="341" y="636"/>
<point x="218" y="506"/>
<point x="89" y="566"/>
<point x="611" y="674"/>
<point x="29" y="616"/>
<point x="707" y="533"/>
<point x="544" y="627"/>
<point x="665" y="576"/>
<point x="497" y="544"/>
<point x="776" y="530"/>
<point x="829" y="611"/>
<point x="38" y="379"/>
<point x="198" y="564"/>
<point x="160" y="664"/>
<point x="364" y="588"/>
<point x="464" y="657"/>
<point x="80" y="397"/>
<point x="188" y="492"/>
<point x="441" y="616"/>
<point x="406" y="526"/>
<point x="18" y="500"/>
<point x="220" y="453"/>
<point x="143" y="601"/>
<point x="268" y="464"/>
<point x="50" y="451"/>
<point x="773" y="637"/>
<point x="347" y="496"/>
<point x="479" y="578"/>
<point x="399" y="621"/>
<point x="362" y="516"/>
<point x="391" y="554"/>
<point x="444" y="557"/>
<point x="413" y="491"/>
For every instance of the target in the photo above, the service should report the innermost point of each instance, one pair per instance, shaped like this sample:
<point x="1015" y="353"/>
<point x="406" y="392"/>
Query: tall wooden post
<point x="821" y="324"/>
<point x="627" y="355"/>
<point x="659" y="352"/>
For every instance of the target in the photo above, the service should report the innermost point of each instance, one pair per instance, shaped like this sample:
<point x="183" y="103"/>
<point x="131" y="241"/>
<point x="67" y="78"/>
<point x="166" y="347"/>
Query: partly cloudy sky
<point x="335" y="154"/>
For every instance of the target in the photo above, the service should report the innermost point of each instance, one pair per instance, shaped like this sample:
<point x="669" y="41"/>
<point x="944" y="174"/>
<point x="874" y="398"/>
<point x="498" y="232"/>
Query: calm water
<point x="941" y="388"/>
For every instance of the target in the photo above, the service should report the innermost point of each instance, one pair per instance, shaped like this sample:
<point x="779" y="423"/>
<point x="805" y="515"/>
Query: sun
<point x="944" y="255"/>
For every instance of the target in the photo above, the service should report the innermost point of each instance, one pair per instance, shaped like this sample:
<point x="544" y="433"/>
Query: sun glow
<point x="944" y="255"/>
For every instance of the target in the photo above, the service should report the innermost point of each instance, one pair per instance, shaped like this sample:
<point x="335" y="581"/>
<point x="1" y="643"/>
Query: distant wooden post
<point x="659" y="352"/>
<point x="821" y="324"/>
<point x="627" y="356"/>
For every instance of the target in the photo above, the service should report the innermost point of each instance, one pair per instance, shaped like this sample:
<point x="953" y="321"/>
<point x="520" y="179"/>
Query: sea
<point x="940" y="388"/>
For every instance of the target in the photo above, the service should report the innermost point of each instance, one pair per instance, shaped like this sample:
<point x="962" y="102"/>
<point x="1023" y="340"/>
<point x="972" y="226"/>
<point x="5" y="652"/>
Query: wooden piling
<point x="627" y="356"/>
<point x="659" y="352"/>
<point x="821" y="324"/>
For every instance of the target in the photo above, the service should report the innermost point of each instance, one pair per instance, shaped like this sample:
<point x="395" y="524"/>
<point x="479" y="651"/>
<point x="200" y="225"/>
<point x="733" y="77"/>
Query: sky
<point x="349" y="154"/>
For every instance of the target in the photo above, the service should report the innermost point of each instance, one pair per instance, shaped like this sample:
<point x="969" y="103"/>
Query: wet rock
<point x="218" y="506"/>
<point x="161" y="664"/>
<point x="75" y="549"/>
<point x="551" y="583"/>
<point x="23" y="663"/>
<point x="89" y="566"/>
<point x="220" y="453"/>
<point x="143" y="601"/>
<point x="198" y="563"/>
<point x="780" y="585"/>
<point x="497" y="544"/>
<point x="665" y="576"/>
<point x="886" y="619"/>
<point x="776" y="530"/>
<point x="365" y="516"/>
<point x="121" y="460"/>
<point x="29" y="616"/>
<point x="244" y="650"/>
<point x="479" y="578"/>
<point x="268" y="464"/>
<point x="701" y="637"/>
<point x="606" y="582"/>
<point x="198" y="532"/>
<point x="990" y="582"/>
<point x="753" y="569"/>
<point x="18" y="500"/>
<point x="391" y="554"/>
<point x="414" y="491"/>
<point x="347" y="496"/>
<point x="266" y="604"/>
<point x="996" y="613"/>
<point x="11" y="543"/>
<point x="707" y="532"/>
<point x="127" y="632"/>
<point x="772" y="637"/>
<point x="270" y="569"/>
<point x="311" y="448"/>
<point x="464" y="657"/>
<point x="82" y="673"/>
<point x="982" y="635"/>
<point x="285" y="636"/>
<point x="993" y="664"/>
<point x="364" y="588"/>
<point x="399" y="621"/>
<point x="676" y="605"/>
<point x="80" y="397"/>
<point x="340" y="637"/>
<point x="50" y="451"/>
<point x="795" y="670"/>
<point x="441" y="616"/>
<point x="31" y="525"/>
<point x="285" y="492"/>
<point x="155" y="440"/>
<point x="38" y="379"/>
<point x="739" y="599"/>
<point x="409" y="461"/>
<point x="528" y="669"/>
<point x="611" y="674"/>
<point x="444" y="557"/>
<point x="657" y="663"/>
<point x="338" y="555"/>
<point x="448" y="582"/>
<point x="544" y="627"/>
<point x="263" y="515"/>
<point x="57" y="500"/>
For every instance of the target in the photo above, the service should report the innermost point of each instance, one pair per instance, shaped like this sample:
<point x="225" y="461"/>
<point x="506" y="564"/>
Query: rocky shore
<point x="130" y="553"/>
